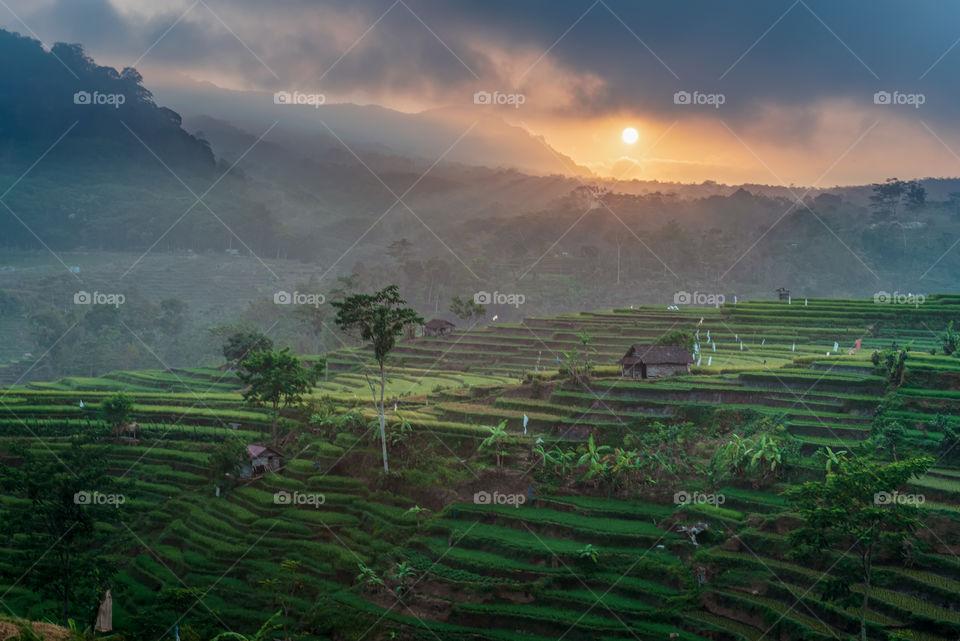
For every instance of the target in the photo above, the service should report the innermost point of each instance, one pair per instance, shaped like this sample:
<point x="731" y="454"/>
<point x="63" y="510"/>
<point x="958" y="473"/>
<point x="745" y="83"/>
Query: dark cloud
<point x="812" y="50"/>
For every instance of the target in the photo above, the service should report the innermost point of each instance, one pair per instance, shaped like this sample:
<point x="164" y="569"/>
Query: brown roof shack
<point x="259" y="460"/>
<point x="652" y="361"/>
<point x="438" y="327"/>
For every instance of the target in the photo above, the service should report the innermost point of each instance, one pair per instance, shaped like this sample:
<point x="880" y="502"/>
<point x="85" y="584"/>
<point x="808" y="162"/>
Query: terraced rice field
<point x="503" y="572"/>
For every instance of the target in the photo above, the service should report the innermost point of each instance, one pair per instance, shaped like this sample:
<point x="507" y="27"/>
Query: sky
<point x="804" y="92"/>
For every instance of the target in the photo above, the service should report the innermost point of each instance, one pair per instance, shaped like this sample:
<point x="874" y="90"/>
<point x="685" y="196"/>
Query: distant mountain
<point x="91" y="161"/>
<point x="485" y="140"/>
<point x="45" y="93"/>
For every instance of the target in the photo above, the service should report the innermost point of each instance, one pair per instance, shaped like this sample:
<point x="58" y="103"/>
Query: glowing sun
<point x="629" y="135"/>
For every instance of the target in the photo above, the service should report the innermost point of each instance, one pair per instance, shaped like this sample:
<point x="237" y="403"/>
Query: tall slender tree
<point x="380" y="319"/>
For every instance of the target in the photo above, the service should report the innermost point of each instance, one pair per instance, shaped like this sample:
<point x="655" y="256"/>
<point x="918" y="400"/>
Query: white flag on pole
<point x="526" y="419"/>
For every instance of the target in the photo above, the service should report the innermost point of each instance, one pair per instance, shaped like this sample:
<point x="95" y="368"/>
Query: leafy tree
<point x="916" y="195"/>
<point x="243" y="343"/>
<point x="401" y="250"/>
<point x="63" y="551"/>
<point x="845" y="512"/>
<point x="380" y="319"/>
<point x="116" y="410"/>
<point x="886" y="198"/>
<point x="680" y="337"/>
<point x="274" y="378"/>
<point x="225" y="458"/>
<point x="887" y="434"/>
<point x="467" y="308"/>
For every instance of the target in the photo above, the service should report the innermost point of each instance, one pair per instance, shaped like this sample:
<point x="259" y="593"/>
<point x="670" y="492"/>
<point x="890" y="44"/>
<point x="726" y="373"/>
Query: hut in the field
<point x="784" y="293"/>
<point x="258" y="460"/>
<point x="438" y="327"/>
<point x="654" y="361"/>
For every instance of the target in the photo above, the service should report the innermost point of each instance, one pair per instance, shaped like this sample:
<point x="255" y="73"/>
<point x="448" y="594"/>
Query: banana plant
<point x="589" y="551"/>
<point x="497" y="439"/>
<point x="418" y="511"/>
<point x="832" y="459"/>
<point x="368" y="577"/>
<point x="400" y="431"/>
<point x="767" y="457"/>
<point x="402" y="573"/>
<point x="594" y="455"/>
